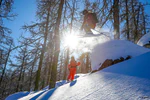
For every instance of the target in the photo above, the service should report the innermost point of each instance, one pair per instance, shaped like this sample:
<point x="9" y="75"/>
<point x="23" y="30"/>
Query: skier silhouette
<point x="90" y="20"/>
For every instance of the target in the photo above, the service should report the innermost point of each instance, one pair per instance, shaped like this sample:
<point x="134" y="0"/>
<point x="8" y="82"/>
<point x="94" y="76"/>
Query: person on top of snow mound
<point x="72" y="68"/>
<point x="90" y="20"/>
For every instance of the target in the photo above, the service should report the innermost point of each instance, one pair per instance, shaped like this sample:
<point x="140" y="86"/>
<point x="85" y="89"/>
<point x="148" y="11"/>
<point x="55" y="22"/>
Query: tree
<point x="116" y="19"/>
<point x="57" y="46"/>
<point x="5" y="65"/>
<point x="42" y="52"/>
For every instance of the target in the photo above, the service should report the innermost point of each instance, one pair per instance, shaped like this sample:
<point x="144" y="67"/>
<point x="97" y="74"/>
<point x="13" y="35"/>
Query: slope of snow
<point x="108" y="84"/>
<point x="17" y="95"/>
<point x="144" y="40"/>
<point x="138" y="66"/>
<point x="114" y="49"/>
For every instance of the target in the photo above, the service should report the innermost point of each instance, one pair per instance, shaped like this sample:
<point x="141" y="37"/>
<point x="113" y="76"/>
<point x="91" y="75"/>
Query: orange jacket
<point x="73" y="64"/>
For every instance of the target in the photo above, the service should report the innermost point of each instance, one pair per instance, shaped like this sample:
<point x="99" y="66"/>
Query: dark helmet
<point x="84" y="12"/>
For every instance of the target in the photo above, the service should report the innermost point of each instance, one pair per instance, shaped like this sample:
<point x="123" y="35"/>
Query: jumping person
<point x="90" y="20"/>
<point x="72" y="68"/>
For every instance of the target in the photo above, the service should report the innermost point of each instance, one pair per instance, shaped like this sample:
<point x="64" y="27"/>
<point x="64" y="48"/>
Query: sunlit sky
<point x="26" y="10"/>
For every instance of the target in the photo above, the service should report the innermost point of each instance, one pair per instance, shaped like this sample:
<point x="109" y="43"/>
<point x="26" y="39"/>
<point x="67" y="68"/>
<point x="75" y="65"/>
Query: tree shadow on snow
<point x="35" y="97"/>
<point x="73" y="82"/>
<point x="46" y="96"/>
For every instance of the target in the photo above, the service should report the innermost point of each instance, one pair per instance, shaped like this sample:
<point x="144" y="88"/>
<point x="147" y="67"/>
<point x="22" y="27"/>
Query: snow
<point x="17" y="95"/>
<point x="86" y="44"/>
<point x="138" y="66"/>
<point x="114" y="49"/>
<point x="144" y="40"/>
<point x="128" y="80"/>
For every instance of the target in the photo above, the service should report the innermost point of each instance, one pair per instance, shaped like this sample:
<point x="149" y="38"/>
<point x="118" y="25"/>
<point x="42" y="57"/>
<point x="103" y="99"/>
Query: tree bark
<point x="57" y="46"/>
<point x="3" y="72"/>
<point x="66" y="64"/>
<point x="127" y="21"/>
<point x="42" y="53"/>
<point x="116" y="19"/>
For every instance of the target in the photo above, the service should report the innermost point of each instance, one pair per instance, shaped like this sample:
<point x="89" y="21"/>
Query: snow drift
<point x="128" y="80"/>
<point x="104" y="85"/>
<point x="114" y="49"/>
<point x="144" y="40"/>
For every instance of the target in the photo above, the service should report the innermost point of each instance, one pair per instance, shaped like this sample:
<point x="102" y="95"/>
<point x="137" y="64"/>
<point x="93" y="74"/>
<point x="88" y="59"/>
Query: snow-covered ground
<point x="114" y="49"/>
<point x="144" y="40"/>
<point x="128" y="80"/>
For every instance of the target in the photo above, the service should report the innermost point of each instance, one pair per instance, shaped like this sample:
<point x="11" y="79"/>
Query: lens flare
<point x="71" y="41"/>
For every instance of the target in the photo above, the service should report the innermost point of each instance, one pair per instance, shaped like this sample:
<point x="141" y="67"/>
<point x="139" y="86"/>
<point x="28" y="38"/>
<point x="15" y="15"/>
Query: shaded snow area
<point x="128" y="80"/>
<point x="114" y="49"/>
<point x="138" y="66"/>
<point x="17" y="95"/>
<point x="144" y="40"/>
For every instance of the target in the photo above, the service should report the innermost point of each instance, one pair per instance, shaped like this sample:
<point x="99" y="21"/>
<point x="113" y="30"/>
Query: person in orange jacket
<point x="72" y="68"/>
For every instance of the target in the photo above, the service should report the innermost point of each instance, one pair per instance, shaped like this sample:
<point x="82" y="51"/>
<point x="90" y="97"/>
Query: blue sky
<point x="26" y="10"/>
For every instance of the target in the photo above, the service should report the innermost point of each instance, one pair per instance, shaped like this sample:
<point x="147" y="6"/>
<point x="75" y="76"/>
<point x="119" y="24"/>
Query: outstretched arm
<point x="78" y="63"/>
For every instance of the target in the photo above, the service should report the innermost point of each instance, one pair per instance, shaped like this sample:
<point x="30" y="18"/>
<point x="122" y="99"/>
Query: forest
<point x="41" y="59"/>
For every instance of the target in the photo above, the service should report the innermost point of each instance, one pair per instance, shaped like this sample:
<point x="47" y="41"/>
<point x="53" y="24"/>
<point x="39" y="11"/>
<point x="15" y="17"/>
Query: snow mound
<point x="107" y="84"/>
<point x="138" y="66"/>
<point x="144" y="40"/>
<point x="114" y="49"/>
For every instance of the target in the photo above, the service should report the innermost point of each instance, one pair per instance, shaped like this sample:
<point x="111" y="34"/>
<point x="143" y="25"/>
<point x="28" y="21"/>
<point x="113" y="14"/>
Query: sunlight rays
<point x="71" y="41"/>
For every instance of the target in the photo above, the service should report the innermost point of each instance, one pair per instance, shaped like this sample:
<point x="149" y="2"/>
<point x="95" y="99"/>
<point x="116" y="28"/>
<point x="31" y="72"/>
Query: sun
<point x="71" y="41"/>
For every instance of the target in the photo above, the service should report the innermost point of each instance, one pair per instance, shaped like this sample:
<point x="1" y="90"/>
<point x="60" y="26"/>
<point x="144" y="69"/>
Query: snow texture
<point x="114" y="49"/>
<point x="17" y="95"/>
<point x="107" y="84"/>
<point x="144" y="40"/>
<point x="138" y="66"/>
<point x="128" y="80"/>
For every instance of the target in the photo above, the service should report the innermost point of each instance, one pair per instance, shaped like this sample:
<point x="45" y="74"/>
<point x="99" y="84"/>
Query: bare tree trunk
<point x="116" y="19"/>
<point x="42" y="53"/>
<point x="21" y="71"/>
<point x="39" y="67"/>
<point x="136" y="25"/>
<point x="22" y="79"/>
<point x="57" y="46"/>
<point x="31" y="73"/>
<point x="66" y="64"/>
<point x="144" y="22"/>
<point x="3" y="72"/>
<point x="127" y="21"/>
<point x="49" y="70"/>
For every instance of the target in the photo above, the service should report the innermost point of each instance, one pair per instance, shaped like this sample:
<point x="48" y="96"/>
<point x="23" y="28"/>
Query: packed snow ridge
<point x="114" y="49"/>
